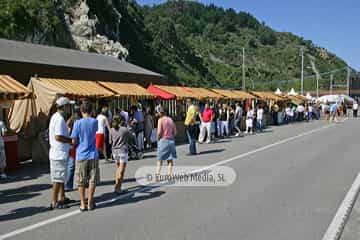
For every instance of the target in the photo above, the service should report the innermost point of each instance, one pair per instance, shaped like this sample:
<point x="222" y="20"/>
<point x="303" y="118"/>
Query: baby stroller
<point x="134" y="152"/>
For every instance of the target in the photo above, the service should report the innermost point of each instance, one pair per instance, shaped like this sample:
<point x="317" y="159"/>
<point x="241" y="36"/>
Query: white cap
<point x="62" y="101"/>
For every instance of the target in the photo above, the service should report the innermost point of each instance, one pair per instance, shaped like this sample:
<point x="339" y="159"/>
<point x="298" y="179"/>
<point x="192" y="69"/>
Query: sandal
<point x="68" y="201"/>
<point x="92" y="207"/>
<point x="83" y="209"/>
<point x="61" y="205"/>
<point x="52" y="206"/>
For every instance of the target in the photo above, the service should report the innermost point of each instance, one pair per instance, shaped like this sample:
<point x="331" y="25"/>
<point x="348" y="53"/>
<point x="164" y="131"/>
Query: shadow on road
<point x="22" y="213"/>
<point x="211" y="151"/>
<point x="145" y="194"/>
<point x="112" y="182"/>
<point x="26" y="172"/>
<point x="22" y="193"/>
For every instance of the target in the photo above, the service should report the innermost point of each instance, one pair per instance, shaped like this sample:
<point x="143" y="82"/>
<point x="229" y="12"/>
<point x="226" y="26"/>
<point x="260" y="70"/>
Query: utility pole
<point x="302" y="70"/>
<point x="317" y="85"/>
<point x="348" y="80"/>
<point x="243" y="71"/>
<point x="331" y="83"/>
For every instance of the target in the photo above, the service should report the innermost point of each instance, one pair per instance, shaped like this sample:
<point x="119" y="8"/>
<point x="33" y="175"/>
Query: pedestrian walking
<point x="355" y="109"/>
<point x="249" y="121"/>
<point x="300" y="112"/>
<point x="2" y="151"/>
<point x="310" y="112"/>
<point x="139" y="117"/>
<point x="190" y="125"/>
<point x="103" y="126"/>
<point x="206" y="119"/>
<point x="224" y="120"/>
<point x="238" y="116"/>
<point x="333" y="112"/>
<point x="231" y="119"/>
<point x="166" y="131"/>
<point x="287" y="114"/>
<point x="59" y="152"/>
<point x="87" y="171"/>
<point x="69" y="183"/>
<point x="149" y="126"/>
<point x="119" y="138"/>
<point x="259" y="117"/>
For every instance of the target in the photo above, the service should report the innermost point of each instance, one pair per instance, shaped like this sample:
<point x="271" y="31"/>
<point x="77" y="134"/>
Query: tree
<point x="268" y="38"/>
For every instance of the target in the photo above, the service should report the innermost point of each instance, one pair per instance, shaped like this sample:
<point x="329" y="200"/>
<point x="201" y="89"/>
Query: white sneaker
<point x="238" y="134"/>
<point x="3" y="176"/>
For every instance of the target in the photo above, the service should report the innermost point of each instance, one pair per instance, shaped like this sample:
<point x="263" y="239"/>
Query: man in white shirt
<point x="310" y="112"/>
<point x="355" y="109"/>
<point x="59" y="152"/>
<point x="288" y="114"/>
<point x="300" y="110"/>
<point x="259" y="118"/>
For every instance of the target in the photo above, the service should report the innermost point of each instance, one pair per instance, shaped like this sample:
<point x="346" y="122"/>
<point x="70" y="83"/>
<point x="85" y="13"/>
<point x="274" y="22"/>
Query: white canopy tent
<point x="336" y="98"/>
<point x="308" y="96"/>
<point x="278" y="92"/>
<point x="292" y="92"/>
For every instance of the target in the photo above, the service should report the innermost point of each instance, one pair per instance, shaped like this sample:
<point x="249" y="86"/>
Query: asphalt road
<point x="290" y="183"/>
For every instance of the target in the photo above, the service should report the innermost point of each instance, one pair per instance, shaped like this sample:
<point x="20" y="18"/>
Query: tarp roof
<point x="39" y="54"/>
<point x="11" y="89"/>
<point x="204" y="93"/>
<point x="233" y="94"/>
<point x="268" y="96"/>
<point x="160" y="93"/>
<point x="179" y="92"/>
<point x="127" y="89"/>
<point x="78" y="88"/>
<point x="243" y="94"/>
<point x="297" y="97"/>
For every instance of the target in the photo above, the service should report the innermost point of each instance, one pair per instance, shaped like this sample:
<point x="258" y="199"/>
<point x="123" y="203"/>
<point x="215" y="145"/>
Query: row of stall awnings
<point x="180" y="92"/>
<point x="10" y="89"/>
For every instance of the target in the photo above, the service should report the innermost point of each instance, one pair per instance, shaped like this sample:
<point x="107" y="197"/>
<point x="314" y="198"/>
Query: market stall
<point x="175" y="99"/>
<point x="275" y="103"/>
<point x="10" y="90"/>
<point x="127" y="94"/>
<point x="31" y="117"/>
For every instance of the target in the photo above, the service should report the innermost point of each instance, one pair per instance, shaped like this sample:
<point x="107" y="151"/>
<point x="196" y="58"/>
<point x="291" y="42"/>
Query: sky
<point x="332" y="24"/>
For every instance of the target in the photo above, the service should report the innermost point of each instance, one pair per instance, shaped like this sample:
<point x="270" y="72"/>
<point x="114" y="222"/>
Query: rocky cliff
<point x="83" y="29"/>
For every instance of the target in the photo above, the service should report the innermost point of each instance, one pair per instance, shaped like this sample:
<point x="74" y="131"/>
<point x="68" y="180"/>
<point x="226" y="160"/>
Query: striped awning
<point x="243" y="94"/>
<point x="10" y="89"/>
<point x="203" y="93"/>
<point x="78" y="88"/>
<point x="268" y="96"/>
<point x="127" y="89"/>
<point x="179" y="92"/>
<point x="229" y="94"/>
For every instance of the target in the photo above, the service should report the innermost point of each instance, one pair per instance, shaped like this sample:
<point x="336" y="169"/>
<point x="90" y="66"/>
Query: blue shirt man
<point x="333" y="108"/>
<point x="85" y="133"/>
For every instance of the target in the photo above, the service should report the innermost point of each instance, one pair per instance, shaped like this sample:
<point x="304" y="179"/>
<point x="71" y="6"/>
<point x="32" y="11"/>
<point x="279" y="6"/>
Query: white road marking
<point x="148" y="187"/>
<point x="341" y="217"/>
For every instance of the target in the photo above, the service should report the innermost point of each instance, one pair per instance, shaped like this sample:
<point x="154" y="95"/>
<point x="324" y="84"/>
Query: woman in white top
<point x="249" y="121"/>
<point x="103" y="123"/>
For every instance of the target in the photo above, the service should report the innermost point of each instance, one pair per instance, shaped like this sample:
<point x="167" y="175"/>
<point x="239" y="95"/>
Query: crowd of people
<point x="78" y="141"/>
<point x="79" y="137"/>
<point x="205" y="122"/>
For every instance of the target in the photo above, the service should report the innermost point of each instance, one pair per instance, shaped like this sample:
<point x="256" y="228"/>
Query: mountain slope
<point x="191" y="43"/>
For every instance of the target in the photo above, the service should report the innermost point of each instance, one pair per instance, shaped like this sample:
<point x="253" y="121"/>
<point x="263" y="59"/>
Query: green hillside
<point x="192" y="43"/>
